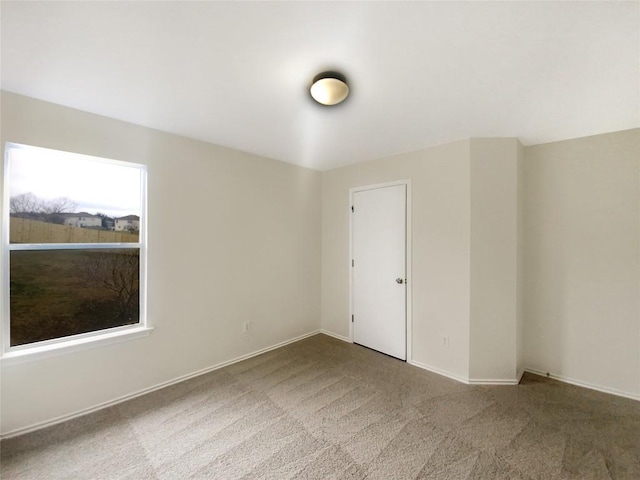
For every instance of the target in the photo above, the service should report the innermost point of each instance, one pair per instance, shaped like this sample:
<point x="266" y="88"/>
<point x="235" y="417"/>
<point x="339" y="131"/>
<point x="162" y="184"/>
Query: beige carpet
<point x="323" y="409"/>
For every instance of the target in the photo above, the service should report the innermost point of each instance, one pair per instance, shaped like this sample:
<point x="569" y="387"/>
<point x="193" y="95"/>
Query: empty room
<point x="320" y="240"/>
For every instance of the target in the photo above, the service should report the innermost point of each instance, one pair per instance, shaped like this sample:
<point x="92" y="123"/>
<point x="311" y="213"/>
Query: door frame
<point x="408" y="262"/>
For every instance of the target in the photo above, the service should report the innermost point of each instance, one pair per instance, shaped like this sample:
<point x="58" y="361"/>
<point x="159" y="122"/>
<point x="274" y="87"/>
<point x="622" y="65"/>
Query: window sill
<point x="76" y="345"/>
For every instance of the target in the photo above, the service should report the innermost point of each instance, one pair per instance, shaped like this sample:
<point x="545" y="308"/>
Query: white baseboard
<point x="86" y="411"/>
<point x="444" y="373"/>
<point x="580" y="383"/>
<point x="335" y="335"/>
<point x="467" y="381"/>
<point x="493" y="381"/>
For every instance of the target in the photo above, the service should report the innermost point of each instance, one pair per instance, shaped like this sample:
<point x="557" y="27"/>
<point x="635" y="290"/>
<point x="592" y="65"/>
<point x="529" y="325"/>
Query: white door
<point x="378" y="238"/>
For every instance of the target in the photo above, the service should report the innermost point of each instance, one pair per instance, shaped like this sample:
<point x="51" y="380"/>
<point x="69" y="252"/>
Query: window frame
<point x="79" y="341"/>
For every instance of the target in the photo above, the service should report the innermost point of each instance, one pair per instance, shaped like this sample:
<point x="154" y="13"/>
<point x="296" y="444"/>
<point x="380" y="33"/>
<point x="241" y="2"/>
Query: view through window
<point x="75" y="244"/>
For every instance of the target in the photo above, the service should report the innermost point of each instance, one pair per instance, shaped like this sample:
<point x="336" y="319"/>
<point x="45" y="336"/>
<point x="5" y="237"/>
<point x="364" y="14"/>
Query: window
<point x="69" y="276"/>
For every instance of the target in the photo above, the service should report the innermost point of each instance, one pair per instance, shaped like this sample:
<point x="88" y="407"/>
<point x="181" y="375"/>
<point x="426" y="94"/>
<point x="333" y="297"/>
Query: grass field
<point x="58" y="293"/>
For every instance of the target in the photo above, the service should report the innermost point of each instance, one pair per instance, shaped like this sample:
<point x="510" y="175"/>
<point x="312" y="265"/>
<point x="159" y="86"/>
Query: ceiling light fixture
<point x="329" y="88"/>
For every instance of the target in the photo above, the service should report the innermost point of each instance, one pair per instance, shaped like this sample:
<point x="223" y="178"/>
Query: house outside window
<point x="68" y="275"/>
<point x="128" y="223"/>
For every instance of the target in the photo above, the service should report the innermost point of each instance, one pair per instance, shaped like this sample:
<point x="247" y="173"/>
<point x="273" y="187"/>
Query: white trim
<point x="73" y="246"/>
<point x="110" y="403"/>
<point x="5" y="274"/>
<point x="580" y="383"/>
<point x="93" y="339"/>
<point x="444" y="373"/>
<point x="465" y="380"/>
<point x="142" y="237"/>
<point x="493" y="381"/>
<point x="409" y="272"/>
<point x="408" y="260"/>
<point x="335" y="335"/>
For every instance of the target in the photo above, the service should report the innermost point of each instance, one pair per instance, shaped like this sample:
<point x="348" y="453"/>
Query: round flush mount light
<point x="329" y="88"/>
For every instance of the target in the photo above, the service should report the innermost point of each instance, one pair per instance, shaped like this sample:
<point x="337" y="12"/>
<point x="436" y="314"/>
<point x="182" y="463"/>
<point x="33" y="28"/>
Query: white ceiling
<point x="421" y="74"/>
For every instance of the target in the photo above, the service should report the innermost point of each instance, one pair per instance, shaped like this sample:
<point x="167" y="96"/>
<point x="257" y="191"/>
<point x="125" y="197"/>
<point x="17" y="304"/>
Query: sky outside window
<point x="94" y="186"/>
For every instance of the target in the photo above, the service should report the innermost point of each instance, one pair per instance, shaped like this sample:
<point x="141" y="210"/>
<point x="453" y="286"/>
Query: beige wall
<point x="494" y="258"/>
<point x="582" y="260"/>
<point x="464" y="220"/>
<point x="251" y="253"/>
<point x="441" y="256"/>
<point x="520" y="346"/>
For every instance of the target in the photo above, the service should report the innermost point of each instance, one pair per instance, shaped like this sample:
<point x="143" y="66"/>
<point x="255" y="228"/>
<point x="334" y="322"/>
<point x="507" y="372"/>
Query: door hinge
<point x="351" y="318"/>
<point x="352" y="209"/>
<point x="353" y="264"/>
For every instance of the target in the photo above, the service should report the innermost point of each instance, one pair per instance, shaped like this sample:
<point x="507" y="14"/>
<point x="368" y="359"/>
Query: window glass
<point x="74" y="248"/>
<point x="59" y="293"/>
<point x="56" y="197"/>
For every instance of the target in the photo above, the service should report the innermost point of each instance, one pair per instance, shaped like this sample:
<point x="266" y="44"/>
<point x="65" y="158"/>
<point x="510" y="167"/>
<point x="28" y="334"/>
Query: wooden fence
<point x="22" y="230"/>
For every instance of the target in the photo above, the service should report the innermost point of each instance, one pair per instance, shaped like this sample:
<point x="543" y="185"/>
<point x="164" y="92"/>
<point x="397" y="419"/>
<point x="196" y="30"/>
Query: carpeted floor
<point x="324" y="409"/>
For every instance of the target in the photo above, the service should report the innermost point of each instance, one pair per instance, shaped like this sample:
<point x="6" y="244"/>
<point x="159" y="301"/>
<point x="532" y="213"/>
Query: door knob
<point x="399" y="280"/>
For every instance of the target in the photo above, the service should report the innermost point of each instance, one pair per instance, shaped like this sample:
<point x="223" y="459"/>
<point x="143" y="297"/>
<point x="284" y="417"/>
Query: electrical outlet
<point x="445" y="341"/>
<point x="245" y="326"/>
